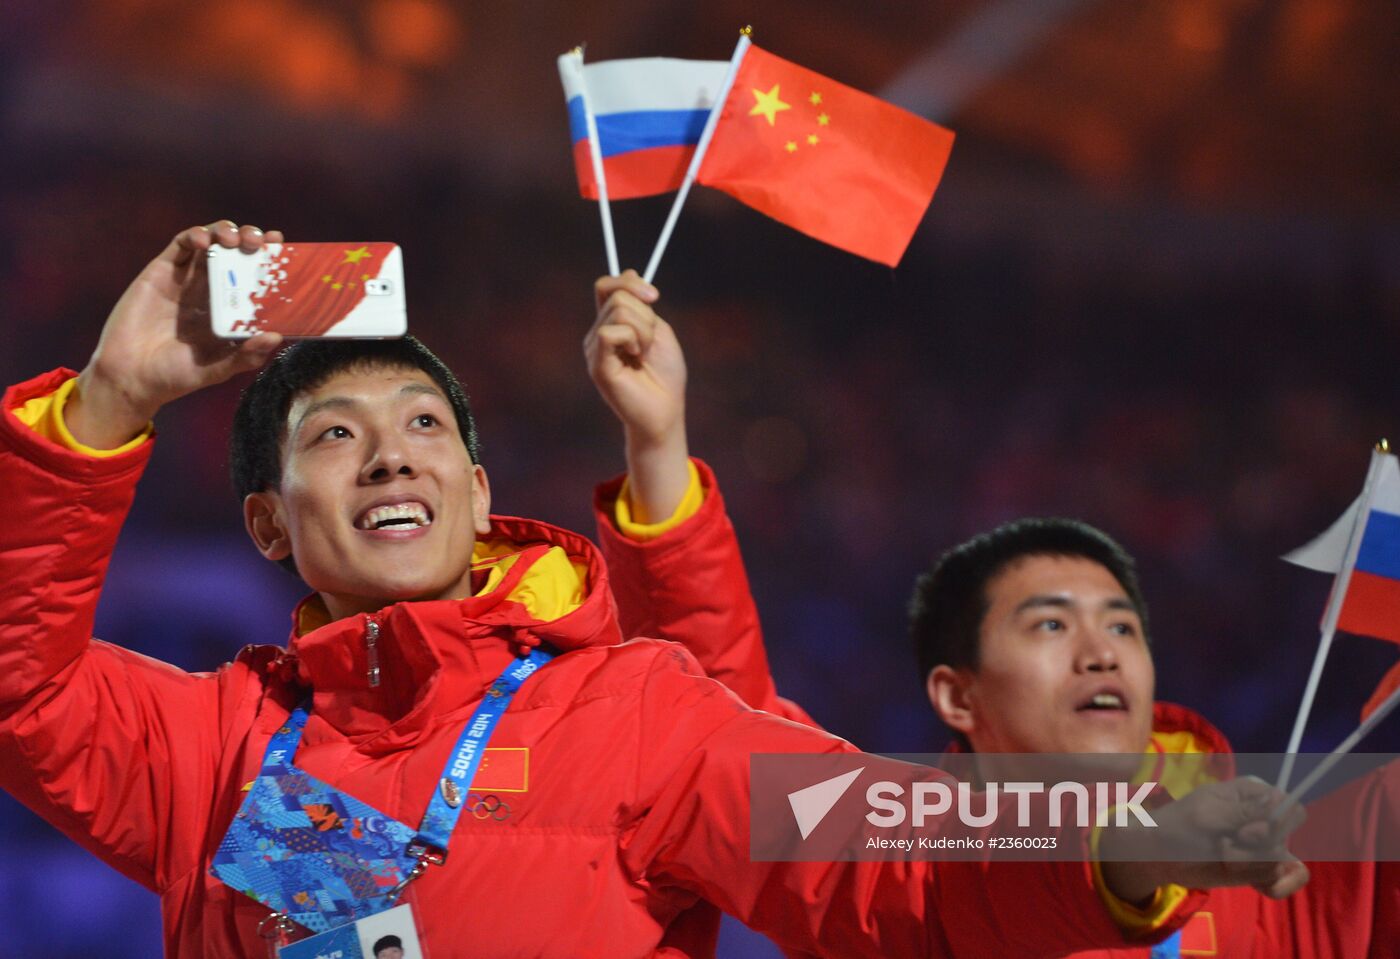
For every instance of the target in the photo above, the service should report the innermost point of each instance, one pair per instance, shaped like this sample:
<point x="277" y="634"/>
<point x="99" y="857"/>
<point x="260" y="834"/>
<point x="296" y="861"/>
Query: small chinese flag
<point x="1389" y="683"/>
<point x="505" y="770"/>
<point x="840" y="165"/>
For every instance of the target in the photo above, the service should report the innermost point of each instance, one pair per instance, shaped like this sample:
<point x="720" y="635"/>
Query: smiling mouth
<point x="1105" y="702"/>
<point x="395" y="516"/>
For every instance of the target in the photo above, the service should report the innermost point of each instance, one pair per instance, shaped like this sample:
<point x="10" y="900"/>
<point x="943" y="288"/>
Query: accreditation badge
<point x="392" y="934"/>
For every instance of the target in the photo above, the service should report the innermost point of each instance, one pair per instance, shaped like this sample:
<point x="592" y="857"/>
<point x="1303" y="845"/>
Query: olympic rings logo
<point x="488" y="806"/>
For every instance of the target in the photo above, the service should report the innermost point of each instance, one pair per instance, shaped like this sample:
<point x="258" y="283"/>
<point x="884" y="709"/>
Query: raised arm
<point x="696" y="750"/>
<point x="157" y="346"/>
<point x="113" y="748"/>
<point x="672" y="554"/>
<point x="638" y="366"/>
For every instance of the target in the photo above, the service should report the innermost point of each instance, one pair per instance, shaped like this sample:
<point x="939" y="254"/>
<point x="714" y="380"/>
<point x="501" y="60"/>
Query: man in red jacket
<point x="449" y="663"/>
<point x="1031" y="638"/>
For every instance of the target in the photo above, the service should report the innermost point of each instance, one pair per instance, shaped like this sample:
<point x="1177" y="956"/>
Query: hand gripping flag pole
<point x="1337" y="551"/>
<point x="571" y="66"/>
<point x="720" y="97"/>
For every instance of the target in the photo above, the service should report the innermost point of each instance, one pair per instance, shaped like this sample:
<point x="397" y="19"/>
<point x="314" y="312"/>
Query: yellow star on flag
<point x="355" y="256"/>
<point x="815" y="98"/>
<point x="767" y="105"/>
<point x="812" y="139"/>
<point x="791" y="146"/>
<point x="823" y="119"/>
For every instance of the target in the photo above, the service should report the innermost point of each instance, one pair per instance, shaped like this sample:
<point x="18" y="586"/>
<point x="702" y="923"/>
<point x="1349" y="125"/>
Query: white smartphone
<point x="338" y="290"/>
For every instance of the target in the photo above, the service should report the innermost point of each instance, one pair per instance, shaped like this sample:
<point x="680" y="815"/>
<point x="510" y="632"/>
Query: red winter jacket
<point x="630" y="785"/>
<point x="689" y="586"/>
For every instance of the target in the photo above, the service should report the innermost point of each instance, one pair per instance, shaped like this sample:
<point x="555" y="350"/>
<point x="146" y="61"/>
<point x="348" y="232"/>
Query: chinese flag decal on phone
<point x="310" y="288"/>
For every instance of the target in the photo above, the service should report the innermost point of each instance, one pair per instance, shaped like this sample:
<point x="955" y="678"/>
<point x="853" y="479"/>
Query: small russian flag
<point x="1363" y="549"/>
<point x="1372" y="603"/>
<point x="649" y="113"/>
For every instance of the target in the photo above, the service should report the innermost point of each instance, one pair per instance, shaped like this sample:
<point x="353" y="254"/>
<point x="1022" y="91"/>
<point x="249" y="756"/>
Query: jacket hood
<point x="537" y="584"/>
<point x="1180" y="734"/>
<point x="1180" y="729"/>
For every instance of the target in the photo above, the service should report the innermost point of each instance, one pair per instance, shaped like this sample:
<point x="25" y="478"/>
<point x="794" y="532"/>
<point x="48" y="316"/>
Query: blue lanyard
<point x="446" y="805"/>
<point x="1170" y="948"/>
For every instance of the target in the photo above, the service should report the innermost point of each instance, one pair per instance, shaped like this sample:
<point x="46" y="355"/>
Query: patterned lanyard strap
<point x="317" y="856"/>
<point x="430" y="843"/>
<point x="446" y="805"/>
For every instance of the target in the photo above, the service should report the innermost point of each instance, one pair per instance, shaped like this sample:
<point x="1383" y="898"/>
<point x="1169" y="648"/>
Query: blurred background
<point x="1158" y="289"/>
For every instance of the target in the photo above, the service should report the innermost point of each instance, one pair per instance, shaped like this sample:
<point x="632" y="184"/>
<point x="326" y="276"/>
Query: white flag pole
<point x="599" y="177"/>
<point x="1383" y="710"/>
<point x="1330" y="617"/>
<point x="704" y="144"/>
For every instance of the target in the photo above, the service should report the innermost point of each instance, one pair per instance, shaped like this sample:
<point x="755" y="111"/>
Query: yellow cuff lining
<point x="690" y="504"/>
<point x="44" y="415"/>
<point x="1133" y="920"/>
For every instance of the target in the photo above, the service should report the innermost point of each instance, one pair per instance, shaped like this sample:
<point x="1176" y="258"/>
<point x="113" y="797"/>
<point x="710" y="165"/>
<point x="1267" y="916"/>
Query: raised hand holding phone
<point x="157" y="344"/>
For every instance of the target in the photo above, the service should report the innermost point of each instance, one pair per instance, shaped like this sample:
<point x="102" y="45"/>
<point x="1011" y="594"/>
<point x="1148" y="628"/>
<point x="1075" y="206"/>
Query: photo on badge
<point x="390" y="935"/>
<point x="387" y="935"/>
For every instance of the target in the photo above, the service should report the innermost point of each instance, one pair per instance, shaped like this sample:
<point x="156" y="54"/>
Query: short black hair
<point x="386" y="942"/>
<point x="260" y="424"/>
<point x="950" y="600"/>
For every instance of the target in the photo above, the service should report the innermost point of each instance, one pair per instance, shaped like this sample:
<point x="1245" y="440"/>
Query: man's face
<point x="379" y="500"/>
<point x="389" y="952"/>
<point x="1064" y="665"/>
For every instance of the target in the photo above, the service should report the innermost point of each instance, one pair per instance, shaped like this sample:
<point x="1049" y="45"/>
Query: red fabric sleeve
<point x="1385" y="921"/>
<point x="1347" y="909"/>
<point x="689" y="586"/>
<point x="1383" y="793"/>
<point x="96" y="739"/>
<point x="694" y="787"/>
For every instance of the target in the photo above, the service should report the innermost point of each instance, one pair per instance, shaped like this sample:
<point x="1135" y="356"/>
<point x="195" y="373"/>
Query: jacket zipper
<point x="372" y="650"/>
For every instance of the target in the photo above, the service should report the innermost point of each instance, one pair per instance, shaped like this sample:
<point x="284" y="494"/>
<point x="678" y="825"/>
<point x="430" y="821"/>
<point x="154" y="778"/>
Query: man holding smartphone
<point x="303" y="782"/>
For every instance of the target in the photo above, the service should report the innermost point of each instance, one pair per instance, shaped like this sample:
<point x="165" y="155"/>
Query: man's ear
<point x="262" y="517"/>
<point x="947" y="690"/>
<point x="481" y="500"/>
